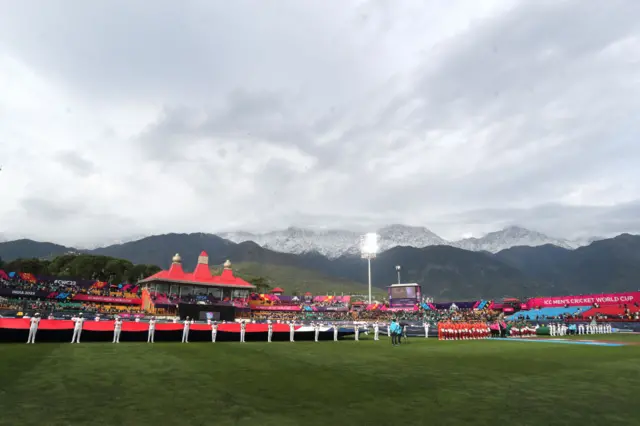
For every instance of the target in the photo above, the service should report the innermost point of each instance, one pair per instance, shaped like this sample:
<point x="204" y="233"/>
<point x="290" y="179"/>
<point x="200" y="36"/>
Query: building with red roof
<point x="277" y="291"/>
<point x="199" y="282"/>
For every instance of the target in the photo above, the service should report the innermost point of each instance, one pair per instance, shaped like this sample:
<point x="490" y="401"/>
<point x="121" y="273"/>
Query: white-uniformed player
<point x="152" y="330"/>
<point x="117" y="329"/>
<point x="609" y="329"/>
<point x="376" y="331"/>
<point x="33" y="328"/>
<point x="389" y="330"/>
<point x="77" y="328"/>
<point x="335" y="332"/>
<point x="137" y="319"/>
<point x="292" y="331"/>
<point x="185" y="331"/>
<point x="214" y="331"/>
<point x="316" y="329"/>
<point x="357" y="330"/>
<point x="269" y="331"/>
<point x="552" y="329"/>
<point x="426" y="329"/>
<point x="243" y="330"/>
<point x="97" y="318"/>
<point x="580" y="328"/>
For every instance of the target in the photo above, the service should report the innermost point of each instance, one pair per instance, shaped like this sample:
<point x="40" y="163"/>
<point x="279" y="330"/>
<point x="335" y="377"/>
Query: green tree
<point x="32" y="266"/>
<point x="85" y="266"/>
<point x="263" y="285"/>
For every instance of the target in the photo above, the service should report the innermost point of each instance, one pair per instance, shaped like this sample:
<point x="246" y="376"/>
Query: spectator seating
<point x="548" y="312"/>
<point x="610" y="311"/>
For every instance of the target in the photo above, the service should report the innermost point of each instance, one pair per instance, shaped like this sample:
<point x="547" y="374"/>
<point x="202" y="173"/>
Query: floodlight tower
<point x="369" y="250"/>
<point x="398" y="267"/>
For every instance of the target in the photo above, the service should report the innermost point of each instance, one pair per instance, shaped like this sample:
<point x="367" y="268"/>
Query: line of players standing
<point x="117" y="329"/>
<point x="592" y="328"/>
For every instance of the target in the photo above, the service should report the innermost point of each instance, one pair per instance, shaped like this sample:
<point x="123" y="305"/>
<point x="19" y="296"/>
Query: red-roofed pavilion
<point x="277" y="291"/>
<point x="199" y="282"/>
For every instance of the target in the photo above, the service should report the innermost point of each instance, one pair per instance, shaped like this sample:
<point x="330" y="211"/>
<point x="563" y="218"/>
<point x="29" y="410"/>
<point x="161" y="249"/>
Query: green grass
<point x="345" y="383"/>
<point x="301" y="280"/>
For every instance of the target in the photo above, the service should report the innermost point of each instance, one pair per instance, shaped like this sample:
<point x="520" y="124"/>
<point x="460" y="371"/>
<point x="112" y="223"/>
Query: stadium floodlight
<point x="398" y="267"/>
<point x="369" y="250"/>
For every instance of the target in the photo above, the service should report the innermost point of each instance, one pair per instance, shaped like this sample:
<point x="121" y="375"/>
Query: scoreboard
<point x="404" y="295"/>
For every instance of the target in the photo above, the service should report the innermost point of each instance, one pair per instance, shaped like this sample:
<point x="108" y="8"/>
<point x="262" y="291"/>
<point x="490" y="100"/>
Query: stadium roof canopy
<point x="201" y="276"/>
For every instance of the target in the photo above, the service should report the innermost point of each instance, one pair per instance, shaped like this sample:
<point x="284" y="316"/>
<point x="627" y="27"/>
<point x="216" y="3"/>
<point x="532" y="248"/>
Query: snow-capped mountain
<point x="408" y="236"/>
<point x="330" y="243"/>
<point x="336" y="243"/>
<point x="510" y="237"/>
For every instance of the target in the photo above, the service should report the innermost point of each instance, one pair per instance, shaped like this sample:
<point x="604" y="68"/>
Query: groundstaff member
<point x="33" y="328"/>
<point x="152" y="330"/>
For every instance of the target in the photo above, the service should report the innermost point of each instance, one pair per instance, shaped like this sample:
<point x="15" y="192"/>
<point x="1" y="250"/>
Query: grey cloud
<point x="536" y="101"/>
<point x="40" y="208"/>
<point x="555" y="219"/>
<point x="491" y="80"/>
<point x="76" y="163"/>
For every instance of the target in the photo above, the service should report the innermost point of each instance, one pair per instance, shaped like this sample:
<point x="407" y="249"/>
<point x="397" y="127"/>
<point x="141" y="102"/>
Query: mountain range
<point x="445" y="272"/>
<point x="336" y="243"/>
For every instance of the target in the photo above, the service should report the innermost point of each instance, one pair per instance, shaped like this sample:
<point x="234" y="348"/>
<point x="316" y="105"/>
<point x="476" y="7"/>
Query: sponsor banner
<point x="64" y="282"/>
<point x="105" y="299"/>
<point x="330" y="309"/>
<point x="23" y="293"/>
<point x="602" y="299"/>
<point x="291" y="308"/>
<point x="403" y="303"/>
<point x="131" y="315"/>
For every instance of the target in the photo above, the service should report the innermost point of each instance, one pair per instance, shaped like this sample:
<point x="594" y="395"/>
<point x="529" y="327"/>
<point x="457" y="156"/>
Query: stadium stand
<point x="483" y="304"/>
<point x="547" y="313"/>
<point x="617" y="312"/>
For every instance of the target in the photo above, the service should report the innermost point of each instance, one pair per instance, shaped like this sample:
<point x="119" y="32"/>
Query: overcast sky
<point x="125" y="118"/>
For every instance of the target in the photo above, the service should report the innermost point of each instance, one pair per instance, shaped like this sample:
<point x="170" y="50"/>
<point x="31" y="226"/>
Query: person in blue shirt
<point x="396" y="332"/>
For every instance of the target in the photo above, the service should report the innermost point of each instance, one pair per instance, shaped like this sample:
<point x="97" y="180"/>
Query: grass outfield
<point x="345" y="383"/>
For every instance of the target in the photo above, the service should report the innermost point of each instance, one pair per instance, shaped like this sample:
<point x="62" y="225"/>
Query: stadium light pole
<point x="398" y="267"/>
<point x="369" y="250"/>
